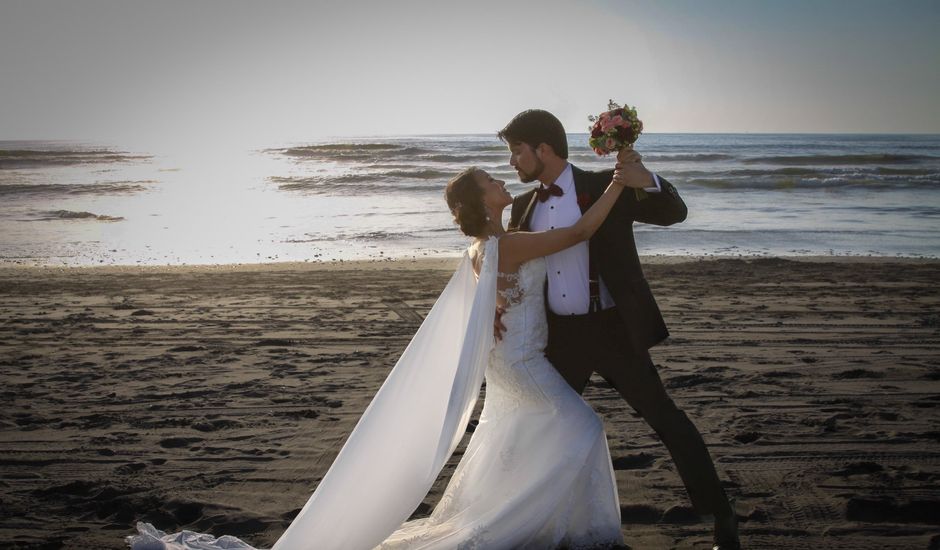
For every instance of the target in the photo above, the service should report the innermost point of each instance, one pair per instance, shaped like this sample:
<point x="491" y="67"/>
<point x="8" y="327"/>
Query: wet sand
<point x="215" y="398"/>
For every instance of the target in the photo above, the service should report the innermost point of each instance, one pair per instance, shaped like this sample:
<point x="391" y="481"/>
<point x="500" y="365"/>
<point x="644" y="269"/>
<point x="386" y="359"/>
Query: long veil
<point x="412" y="426"/>
<point x="405" y="436"/>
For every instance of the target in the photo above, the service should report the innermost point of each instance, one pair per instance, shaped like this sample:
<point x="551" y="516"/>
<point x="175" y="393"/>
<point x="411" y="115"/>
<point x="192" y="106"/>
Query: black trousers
<point x="579" y="345"/>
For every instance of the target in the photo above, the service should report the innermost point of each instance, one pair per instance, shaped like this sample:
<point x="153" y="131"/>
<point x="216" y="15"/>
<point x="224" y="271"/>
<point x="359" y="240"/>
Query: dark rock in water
<point x="888" y="510"/>
<point x="140" y="312"/>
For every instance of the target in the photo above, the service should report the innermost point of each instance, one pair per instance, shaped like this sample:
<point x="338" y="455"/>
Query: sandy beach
<point x="215" y="398"/>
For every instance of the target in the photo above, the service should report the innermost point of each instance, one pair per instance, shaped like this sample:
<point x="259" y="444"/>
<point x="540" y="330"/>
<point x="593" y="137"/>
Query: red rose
<point x="596" y="131"/>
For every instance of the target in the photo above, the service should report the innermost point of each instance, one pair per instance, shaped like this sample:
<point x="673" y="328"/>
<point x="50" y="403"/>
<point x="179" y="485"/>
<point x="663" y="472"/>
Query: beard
<point x="529" y="177"/>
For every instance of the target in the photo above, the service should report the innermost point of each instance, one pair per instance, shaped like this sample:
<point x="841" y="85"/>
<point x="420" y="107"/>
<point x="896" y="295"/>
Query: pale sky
<point x="276" y="71"/>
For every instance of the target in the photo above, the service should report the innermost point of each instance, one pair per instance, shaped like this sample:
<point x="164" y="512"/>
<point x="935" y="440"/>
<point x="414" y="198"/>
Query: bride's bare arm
<point x="517" y="248"/>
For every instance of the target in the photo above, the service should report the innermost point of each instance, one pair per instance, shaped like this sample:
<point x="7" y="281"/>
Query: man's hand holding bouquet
<point x="616" y="130"/>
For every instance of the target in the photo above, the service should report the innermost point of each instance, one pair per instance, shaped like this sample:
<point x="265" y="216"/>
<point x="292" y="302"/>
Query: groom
<point x="602" y="316"/>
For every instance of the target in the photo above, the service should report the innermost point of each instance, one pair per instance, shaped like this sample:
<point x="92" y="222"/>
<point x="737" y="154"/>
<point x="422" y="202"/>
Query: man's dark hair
<point x="534" y="127"/>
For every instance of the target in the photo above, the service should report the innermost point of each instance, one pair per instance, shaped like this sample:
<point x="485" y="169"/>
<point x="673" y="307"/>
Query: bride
<point x="536" y="472"/>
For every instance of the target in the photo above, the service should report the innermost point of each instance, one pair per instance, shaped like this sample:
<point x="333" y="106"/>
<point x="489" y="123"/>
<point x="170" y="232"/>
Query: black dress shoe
<point x="726" y="531"/>
<point x="727" y="545"/>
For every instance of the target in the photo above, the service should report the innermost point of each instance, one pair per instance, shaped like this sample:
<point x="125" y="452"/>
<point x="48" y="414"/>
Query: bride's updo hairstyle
<point x="465" y="200"/>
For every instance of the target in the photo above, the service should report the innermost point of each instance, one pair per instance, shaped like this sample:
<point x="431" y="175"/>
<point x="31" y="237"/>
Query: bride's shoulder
<point x="477" y="247"/>
<point x="480" y="248"/>
<point x="477" y="251"/>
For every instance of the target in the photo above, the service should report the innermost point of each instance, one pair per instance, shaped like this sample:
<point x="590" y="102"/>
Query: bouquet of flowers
<point x="615" y="129"/>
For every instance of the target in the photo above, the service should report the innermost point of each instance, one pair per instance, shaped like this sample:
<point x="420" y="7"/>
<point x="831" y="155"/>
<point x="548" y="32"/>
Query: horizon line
<point x="450" y="134"/>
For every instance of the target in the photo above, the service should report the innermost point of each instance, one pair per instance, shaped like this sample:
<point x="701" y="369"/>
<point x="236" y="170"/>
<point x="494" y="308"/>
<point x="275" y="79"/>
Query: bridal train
<point x="536" y="473"/>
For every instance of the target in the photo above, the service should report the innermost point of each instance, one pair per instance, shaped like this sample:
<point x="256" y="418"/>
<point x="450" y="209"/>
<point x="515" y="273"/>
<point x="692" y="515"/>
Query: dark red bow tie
<point x="544" y="193"/>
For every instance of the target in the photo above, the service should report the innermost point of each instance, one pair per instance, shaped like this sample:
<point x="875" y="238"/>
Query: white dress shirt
<point x="569" y="290"/>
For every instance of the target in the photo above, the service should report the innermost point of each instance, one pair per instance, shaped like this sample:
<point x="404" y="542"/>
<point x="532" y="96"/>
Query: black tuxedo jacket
<point x="613" y="248"/>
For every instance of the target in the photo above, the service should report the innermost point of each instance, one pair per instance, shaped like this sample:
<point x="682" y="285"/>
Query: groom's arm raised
<point x="663" y="208"/>
<point x="657" y="203"/>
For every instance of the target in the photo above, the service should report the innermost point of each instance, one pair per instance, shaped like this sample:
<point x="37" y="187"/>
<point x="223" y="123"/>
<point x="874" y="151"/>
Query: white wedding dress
<point x="536" y="473"/>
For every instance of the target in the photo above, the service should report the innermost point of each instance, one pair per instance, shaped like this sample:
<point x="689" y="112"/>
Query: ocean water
<point x="66" y="203"/>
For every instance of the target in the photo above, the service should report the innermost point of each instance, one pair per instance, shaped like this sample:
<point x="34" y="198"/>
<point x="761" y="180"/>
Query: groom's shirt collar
<point x="565" y="180"/>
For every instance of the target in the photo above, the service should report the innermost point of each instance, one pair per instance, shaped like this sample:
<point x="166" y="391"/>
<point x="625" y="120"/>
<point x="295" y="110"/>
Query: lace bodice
<point x="508" y="289"/>
<point x="522" y="296"/>
<point x="518" y="371"/>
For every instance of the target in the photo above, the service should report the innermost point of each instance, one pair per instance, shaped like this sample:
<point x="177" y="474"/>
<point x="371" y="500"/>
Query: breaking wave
<point x="27" y="158"/>
<point x="354" y="183"/>
<point x="834" y="160"/>
<point x="71" y="215"/>
<point x="50" y="189"/>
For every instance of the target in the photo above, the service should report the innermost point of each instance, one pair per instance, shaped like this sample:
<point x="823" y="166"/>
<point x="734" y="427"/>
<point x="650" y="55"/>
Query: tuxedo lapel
<point x="524" y="223"/>
<point x="585" y="198"/>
